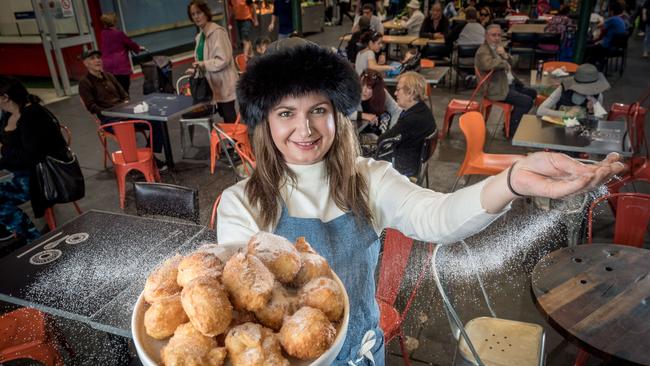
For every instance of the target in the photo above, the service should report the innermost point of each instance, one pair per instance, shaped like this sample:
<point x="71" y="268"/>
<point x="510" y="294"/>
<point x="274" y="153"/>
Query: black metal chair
<point x="536" y="21"/>
<point x="438" y="52"/>
<point x="386" y="148"/>
<point x="550" y="39"/>
<point x="618" y="52"/>
<point x="169" y="200"/>
<point x="464" y="61"/>
<point x="428" y="148"/>
<point x="502" y="22"/>
<point x="523" y="44"/>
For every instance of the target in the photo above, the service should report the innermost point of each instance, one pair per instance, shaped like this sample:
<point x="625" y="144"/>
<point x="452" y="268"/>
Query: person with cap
<point x="579" y="95"/>
<point x="115" y="50"/>
<point x="100" y="90"/>
<point x="503" y="86"/>
<point x="415" y="18"/>
<point x="310" y="181"/>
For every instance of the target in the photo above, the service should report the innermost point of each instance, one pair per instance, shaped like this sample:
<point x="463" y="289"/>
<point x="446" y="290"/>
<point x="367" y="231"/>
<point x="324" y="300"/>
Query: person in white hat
<point x="415" y="18"/>
<point x="579" y="95"/>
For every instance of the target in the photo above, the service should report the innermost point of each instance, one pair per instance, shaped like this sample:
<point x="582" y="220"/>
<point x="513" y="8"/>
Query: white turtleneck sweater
<point x="395" y="202"/>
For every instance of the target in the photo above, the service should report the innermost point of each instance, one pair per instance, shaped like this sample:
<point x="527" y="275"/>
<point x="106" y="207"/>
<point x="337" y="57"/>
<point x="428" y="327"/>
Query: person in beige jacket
<point x="213" y="54"/>
<point x="504" y="86"/>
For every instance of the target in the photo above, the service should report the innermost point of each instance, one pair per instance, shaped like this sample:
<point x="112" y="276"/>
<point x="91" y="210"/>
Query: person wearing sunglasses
<point x="485" y="16"/>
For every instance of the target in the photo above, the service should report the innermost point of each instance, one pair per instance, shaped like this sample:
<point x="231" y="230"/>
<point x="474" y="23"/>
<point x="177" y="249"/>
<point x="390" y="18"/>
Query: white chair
<point x="491" y="340"/>
<point x="188" y="123"/>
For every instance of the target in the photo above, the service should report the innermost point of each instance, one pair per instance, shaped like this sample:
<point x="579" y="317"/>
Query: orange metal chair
<point x="248" y="158"/>
<point x="50" y="218"/>
<point x="395" y="257"/>
<point x="24" y="334"/>
<point x="568" y="66"/>
<point x="506" y="107"/>
<point x="237" y="132"/>
<point x="425" y="63"/>
<point x="240" y="61"/>
<point x="632" y="217"/>
<point x="213" y="216"/>
<point x="476" y="160"/>
<point x="459" y="106"/>
<point x="131" y="157"/>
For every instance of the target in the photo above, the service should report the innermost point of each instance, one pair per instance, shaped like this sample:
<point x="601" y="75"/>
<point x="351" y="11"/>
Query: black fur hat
<point x="296" y="70"/>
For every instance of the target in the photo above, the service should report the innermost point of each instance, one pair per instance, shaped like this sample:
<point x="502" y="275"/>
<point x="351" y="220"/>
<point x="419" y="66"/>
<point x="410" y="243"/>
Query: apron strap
<point x="367" y="343"/>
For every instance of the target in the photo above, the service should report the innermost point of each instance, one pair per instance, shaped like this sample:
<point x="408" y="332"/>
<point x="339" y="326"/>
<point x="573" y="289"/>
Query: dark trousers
<point x="156" y="129"/>
<point x="344" y="9"/>
<point x="522" y="100"/>
<point x="125" y="81"/>
<point x="596" y="55"/>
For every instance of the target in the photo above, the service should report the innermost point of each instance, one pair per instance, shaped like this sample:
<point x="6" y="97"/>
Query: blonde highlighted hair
<point x="348" y="188"/>
<point x="108" y="19"/>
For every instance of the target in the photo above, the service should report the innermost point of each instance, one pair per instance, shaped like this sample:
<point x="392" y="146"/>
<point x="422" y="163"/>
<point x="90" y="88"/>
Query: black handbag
<point x="199" y="87"/>
<point x="60" y="181"/>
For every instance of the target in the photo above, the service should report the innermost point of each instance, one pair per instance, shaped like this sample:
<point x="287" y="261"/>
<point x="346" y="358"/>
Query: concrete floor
<point x="429" y="337"/>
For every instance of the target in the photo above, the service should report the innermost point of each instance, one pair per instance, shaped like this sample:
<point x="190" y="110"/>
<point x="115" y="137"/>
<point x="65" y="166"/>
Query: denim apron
<point x="352" y="251"/>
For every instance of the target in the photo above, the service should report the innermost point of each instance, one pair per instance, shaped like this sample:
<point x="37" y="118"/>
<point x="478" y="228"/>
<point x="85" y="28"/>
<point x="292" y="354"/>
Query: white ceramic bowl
<point x="149" y="348"/>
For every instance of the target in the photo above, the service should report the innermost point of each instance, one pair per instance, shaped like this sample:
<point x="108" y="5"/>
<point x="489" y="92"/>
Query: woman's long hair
<point x="373" y="80"/>
<point x="16" y="92"/>
<point x="348" y="188"/>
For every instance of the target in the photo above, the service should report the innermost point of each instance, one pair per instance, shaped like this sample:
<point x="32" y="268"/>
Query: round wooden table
<point x="598" y="295"/>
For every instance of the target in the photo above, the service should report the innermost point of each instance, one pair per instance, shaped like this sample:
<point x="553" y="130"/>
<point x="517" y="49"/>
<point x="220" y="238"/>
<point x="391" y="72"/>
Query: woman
<point x="485" y="16"/>
<point x="414" y="124"/>
<point x="115" y="51"/>
<point x="213" y="54"/>
<point x="366" y="59"/>
<point x="560" y="23"/>
<point x="311" y="182"/>
<point x="577" y="96"/>
<point x="27" y="136"/>
<point x="375" y="100"/>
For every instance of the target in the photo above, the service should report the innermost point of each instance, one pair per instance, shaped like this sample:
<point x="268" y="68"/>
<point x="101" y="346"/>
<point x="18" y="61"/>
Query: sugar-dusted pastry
<point x="206" y="303"/>
<point x="278" y="254"/>
<point x="164" y="316"/>
<point x="188" y="347"/>
<point x="272" y="314"/>
<point x="161" y="282"/>
<point x="307" y="333"/>
<point x="197" y="264"/>
<point x="251" y="344"/>
<point x="248" y="281"/>
<point x="313" y="265"/>
<point x="324" y="294"/>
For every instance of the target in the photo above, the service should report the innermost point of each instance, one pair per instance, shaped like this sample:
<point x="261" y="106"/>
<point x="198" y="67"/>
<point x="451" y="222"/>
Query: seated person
<point x="261" y="44"/>
<point x="473" y="32"/>
<point x="100" y="90"/>
<point x="414" y="124"/>
<point x="485" y="16"/>
<point x="375" y="101"/>
<point x="375" y="22"/>
<point x="613" y="26"/>
<point x="354" y="45"/>
<point x="504" y="86"/>
<point x="415" y="18"/>
<point x="577" y="96"/>
<point x="366" y="59"/>
<point x="560" y="23"/>
<point x="435" y="26"/>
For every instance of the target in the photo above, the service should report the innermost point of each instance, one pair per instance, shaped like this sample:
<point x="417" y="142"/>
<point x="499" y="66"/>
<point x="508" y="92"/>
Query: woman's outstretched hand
<point x="556" y="175"/>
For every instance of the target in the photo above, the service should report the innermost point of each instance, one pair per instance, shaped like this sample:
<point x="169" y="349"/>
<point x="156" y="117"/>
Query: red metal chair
<point x="24" y="334"/>
<point x="240" y="61"/>
<point x="50" y="218"/>
<point x="488" y="104"/>
<point x="237" y="132"/>
<point x="632" y="217"/>
<point x="131" y="157"/>
<point x="213" y="216"/>
<point x="476" y="160"/>
<point x="460" y="106"/>
<point x="395" y="257"/>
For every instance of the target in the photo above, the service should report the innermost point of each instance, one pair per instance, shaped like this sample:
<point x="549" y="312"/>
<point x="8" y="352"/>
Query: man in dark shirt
<point x="100" y="90"/>
<point x="282" y="15"/>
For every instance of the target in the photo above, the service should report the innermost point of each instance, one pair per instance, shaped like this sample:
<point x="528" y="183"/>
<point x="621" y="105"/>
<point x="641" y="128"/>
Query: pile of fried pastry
<point x="268" y="297"/>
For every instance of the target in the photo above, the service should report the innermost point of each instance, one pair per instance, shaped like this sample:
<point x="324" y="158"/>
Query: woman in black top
<point x="28" y="134"/>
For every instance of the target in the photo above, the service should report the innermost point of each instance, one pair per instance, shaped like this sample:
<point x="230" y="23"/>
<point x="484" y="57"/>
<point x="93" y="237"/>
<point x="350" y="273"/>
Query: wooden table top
<point x="392" y="24"/>
<point x="527" y="28"/>
<point x="424" y="41"/>
<point x="599" y="295"/>
<point x="387" y="39"/>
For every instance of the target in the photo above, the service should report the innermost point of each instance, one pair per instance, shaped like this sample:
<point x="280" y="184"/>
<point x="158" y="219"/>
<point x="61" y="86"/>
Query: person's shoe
<point x="162" y="166"/>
